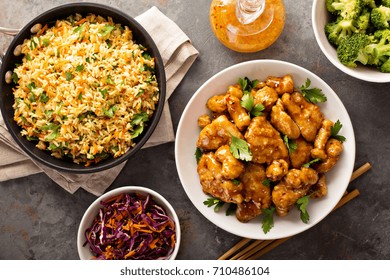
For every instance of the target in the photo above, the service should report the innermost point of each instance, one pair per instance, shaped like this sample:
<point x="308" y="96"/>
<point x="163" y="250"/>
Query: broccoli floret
<point x="330" y="7"/>
<point x="347" y="9"/>
<point x="380" y="17"/>
<point x="370" y="3"/>
<point x="379" y="48"/>
<point x="385" y="3"/>
<point x="351" y="50"/>
<point x="385" y="67"/>
<point x="338" y="30"/>
<point x="363" y="21"/>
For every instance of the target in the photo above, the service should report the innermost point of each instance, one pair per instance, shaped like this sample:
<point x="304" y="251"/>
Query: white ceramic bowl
<point x="93" y="210"/>
<point x="188" y="132"/>
<point x="320" y="17"/>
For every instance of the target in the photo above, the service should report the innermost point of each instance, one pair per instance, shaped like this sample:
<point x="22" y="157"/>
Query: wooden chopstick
<point x="235" y="248"/>
<point x="346" y="198"/>
<point x="360" y="171"/>
<point x="260" y="247"/>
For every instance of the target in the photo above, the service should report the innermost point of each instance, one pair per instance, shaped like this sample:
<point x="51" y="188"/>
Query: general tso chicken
<point x="266" y="145"/>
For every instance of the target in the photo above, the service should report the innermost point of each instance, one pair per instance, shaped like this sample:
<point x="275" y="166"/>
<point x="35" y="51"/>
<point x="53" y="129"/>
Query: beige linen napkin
<point x="177" y="53"/>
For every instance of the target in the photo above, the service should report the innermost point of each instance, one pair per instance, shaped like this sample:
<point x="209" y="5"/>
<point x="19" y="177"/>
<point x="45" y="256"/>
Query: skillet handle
<point x="9" y="31"/>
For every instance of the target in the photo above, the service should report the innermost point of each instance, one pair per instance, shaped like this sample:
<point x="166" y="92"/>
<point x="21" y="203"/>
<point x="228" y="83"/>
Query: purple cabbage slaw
<point x="131" y="226"/>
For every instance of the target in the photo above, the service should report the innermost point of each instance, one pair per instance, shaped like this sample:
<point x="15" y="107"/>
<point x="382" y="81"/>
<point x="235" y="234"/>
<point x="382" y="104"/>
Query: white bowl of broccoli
<point x="355" y="36"/>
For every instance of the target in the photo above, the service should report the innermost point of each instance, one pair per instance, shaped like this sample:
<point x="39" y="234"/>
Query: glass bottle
<point x="247" y="25"/>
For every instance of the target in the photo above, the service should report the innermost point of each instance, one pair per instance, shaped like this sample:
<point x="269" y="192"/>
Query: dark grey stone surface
<point x="39" y="220"/>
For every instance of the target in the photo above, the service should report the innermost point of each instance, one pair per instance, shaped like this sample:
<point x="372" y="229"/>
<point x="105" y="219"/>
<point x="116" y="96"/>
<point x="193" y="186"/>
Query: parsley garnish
<point x="111" y="111"/>
<point x="214" y="202"/>
<point x="198" y="154"/>
<point x="266" y="182"/>
<point x="79" y="29"/>
<point x="79" y="68"/>
<point x="50" y="126"/>
<point x="32" y="138"/>
<point x="31" y="86"/>
<point x="307" y="165"/>
<point x="257" y="110"/>
<point x="334" y="130"/>
<point x="43" y="97"/>
<point x="103" y="92"/>
<point x="302" y="207"/>
<point x="46" y="42"/>
<point x="138" y="123"/>
<point x="248" y="103"/>
<point x="236" y="182"/>
<point x="139" y="118"/>
<point x="54" y="128"/>
<point x="146" y="56"/>
<point x="290" y="144"/>
<point x="137" y="131"/>
<point x="313" y="95"/>
<point x="247" y="100"/>
<point x="15" y="78"/>
<point x="246" y="84"/>
<point x="218" y="204"/>
<point x="231" y="209"/>
<point x="106" y="29"/>
<point x="68" y="76"/>
<point x="33" y="44"/>
<point x="240" y="149"/>
<point x="109" y="80"/>
<point x="268" y="219"/>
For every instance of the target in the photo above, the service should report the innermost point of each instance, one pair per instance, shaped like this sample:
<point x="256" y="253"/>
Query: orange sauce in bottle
<point x="251" y="37"/>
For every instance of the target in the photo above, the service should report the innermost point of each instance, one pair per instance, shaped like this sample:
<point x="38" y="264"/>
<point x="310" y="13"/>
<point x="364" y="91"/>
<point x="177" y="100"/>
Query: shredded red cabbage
<point x="131" y="227"/>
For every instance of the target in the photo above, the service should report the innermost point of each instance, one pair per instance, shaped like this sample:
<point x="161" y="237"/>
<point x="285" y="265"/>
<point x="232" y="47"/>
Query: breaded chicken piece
<point x="247" y="211"/>
<point x="213" y="182"/>
<point x="294" y="185"/>
<point x="333" y="150"/>
<point x="319" y="189"/>
<point x="217" y="103"/>
<point x="277" y="170"/>
<point x="264" y="141"/>
<point x="254" y="190"/>
<point x="266" y="96"/>
<point x="231" y="167"/>
<point x="235" y="91"/>
<point x="298" y="178"/>
<point x="238" y="113"/>
<point x="204" y="120"/>
<point x="306" y="115"/>
<point x="256" y="195"/>
<point x="283" y="122"/>
<point x="281" y="84"/>
<point x="301" y="154"/>
<point x="217" y="134"/>
<point x="321" y="140"/>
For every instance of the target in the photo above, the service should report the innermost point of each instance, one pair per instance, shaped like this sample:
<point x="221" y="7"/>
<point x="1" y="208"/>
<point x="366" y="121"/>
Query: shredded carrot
<point x="43" y="29"/>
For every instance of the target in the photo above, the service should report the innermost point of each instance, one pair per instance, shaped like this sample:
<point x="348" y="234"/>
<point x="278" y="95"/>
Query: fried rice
<point x="85" y="89"/>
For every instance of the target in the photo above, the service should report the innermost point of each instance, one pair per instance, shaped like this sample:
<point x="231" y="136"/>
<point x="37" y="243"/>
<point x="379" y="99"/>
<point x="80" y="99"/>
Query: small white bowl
<point x="93" y="210"/>
<point x="188" y="132"/>
<point x="320" y="17"/>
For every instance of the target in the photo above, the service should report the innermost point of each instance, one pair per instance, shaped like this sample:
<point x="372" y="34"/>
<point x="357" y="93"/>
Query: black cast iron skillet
<point x="6" y="96"/>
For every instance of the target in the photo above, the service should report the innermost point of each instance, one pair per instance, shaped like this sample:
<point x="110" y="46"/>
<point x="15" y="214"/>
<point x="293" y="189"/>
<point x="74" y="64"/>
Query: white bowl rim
<point x="351" y="141"/>
<point x="360" y="72"/>
<point x="160" y="199"/>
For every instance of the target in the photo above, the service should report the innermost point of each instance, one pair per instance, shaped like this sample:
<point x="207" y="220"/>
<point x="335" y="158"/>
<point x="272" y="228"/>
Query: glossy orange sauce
<point x="246" y="38"/>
